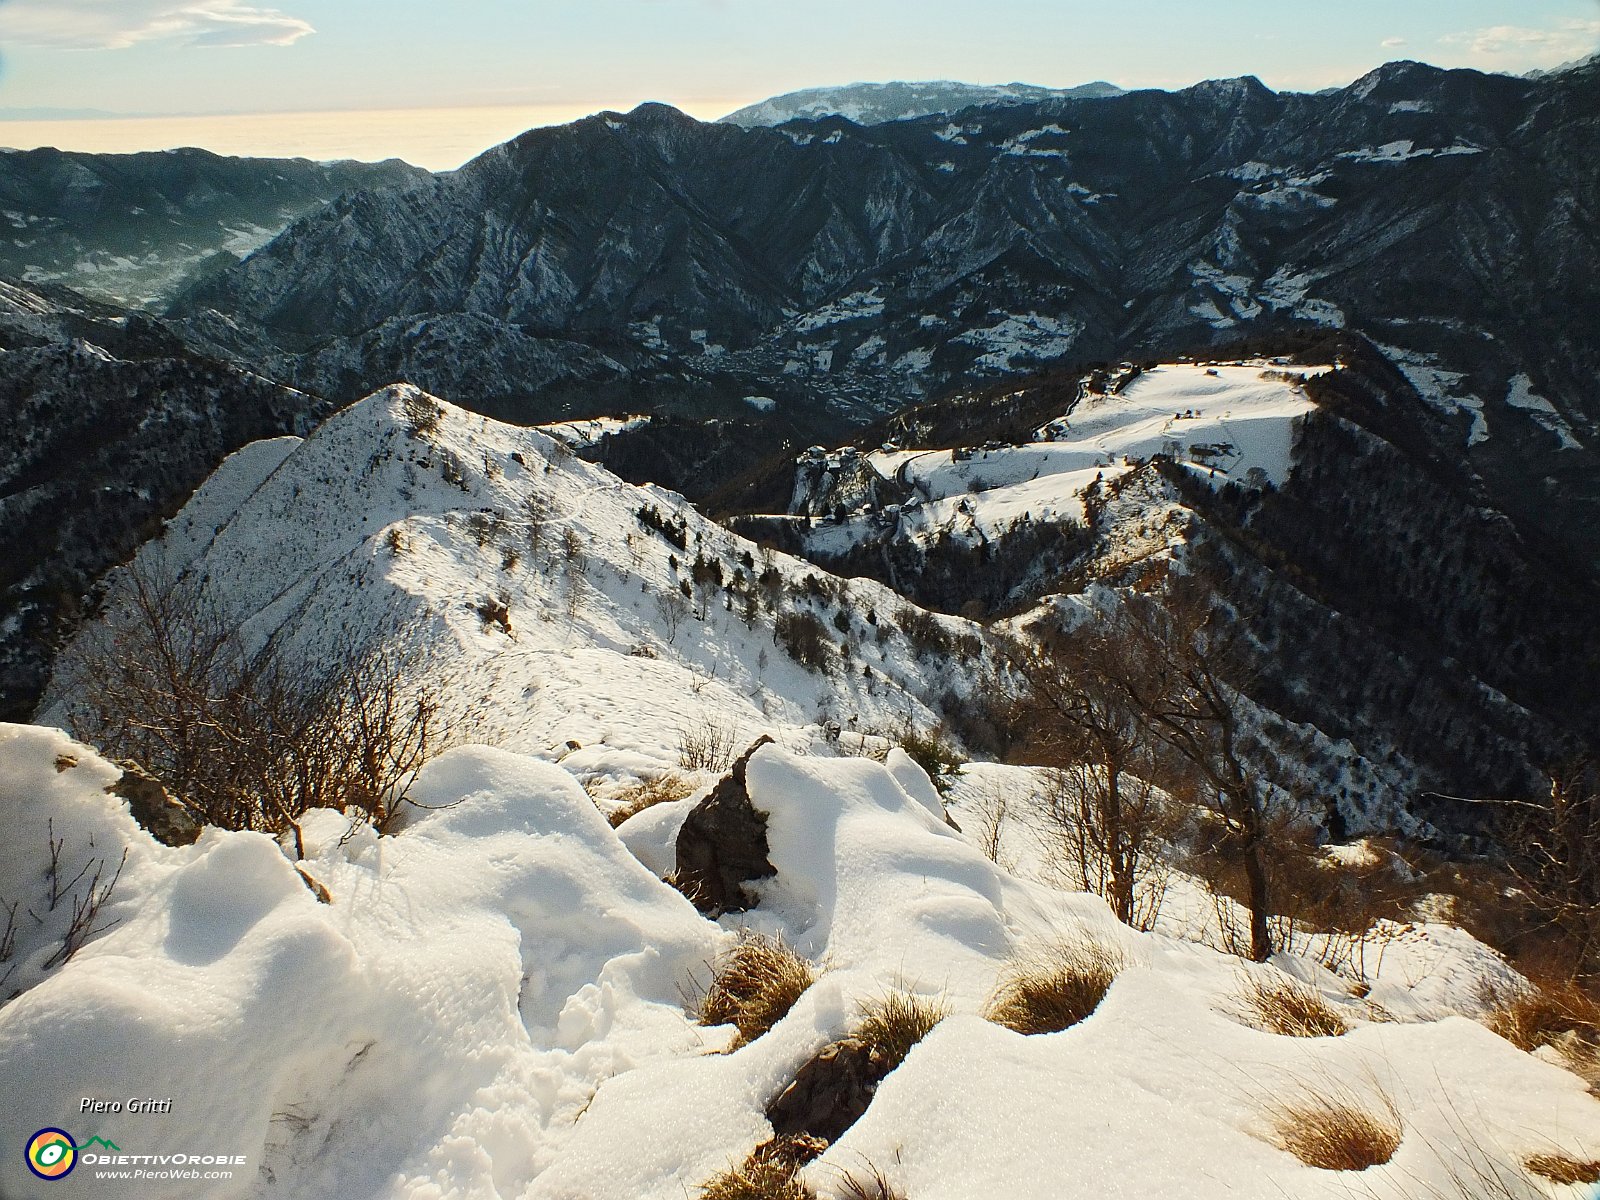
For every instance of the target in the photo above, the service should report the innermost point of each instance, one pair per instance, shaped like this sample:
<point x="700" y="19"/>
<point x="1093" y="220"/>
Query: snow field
<point x="491" y="1007"/>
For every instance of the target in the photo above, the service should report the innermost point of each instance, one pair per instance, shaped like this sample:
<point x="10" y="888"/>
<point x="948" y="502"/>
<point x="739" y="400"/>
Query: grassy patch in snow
<point x="754" y="985"/>
<point x="872" y="1184"/>
<point x="647" y="793"/>
<point x="1337" y="1133"/>
<point x="893" y="1023"/>
<point x="1049" y="993"/>
<point x="1554" y="1013"/>
<point x="1278" y="1004"/>
<point x="757" y="1178"/>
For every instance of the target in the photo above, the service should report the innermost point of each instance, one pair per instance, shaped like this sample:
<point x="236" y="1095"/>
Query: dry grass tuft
<point x="647" y="793"/>
<point x="874" y="1185"/>
<point x="1279" y="1004"/>
<point x="754" y="985"/>
<point x="1048" y="994"/>
<point x="1337" y="1135"/>
<point x="757" y="1179"/>
<point x="1542" y="1013"/>
<point x="1558" y="1014"/>
<point x="894" y="1023"/>
<point x="1558" y="1168"/>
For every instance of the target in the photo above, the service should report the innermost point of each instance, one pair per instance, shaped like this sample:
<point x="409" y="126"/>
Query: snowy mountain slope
<point x="1227" y="422"/>
<point x="875" y="103"/>
<point x="548" y="609"/>
<point x="1399" y="660"/>
<point x="487" y="1006"/>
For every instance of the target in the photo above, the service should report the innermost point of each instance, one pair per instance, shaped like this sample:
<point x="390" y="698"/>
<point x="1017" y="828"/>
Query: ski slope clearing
<point x="489" y="1005"/>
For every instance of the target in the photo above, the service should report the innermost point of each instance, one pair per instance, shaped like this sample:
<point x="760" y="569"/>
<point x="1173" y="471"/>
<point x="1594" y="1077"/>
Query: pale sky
<point x="541" y="61"/>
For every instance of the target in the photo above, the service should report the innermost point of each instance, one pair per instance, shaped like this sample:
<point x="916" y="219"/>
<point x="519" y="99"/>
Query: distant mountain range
<point x="875" y="103"/>
<point x="134" y="228"/>
<point x="769" y="288"/>
<point x="648" y="260"/>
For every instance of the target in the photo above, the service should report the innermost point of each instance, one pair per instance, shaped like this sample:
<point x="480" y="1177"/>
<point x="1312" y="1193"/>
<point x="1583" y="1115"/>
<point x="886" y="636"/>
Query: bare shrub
<point x="754" y="985"/>
<point x="1553" y="846"/>
<point x="422" y="414"/>
<point x="86" y="922"/>
<point x="893" y="1023"/>
<point x="708" y="745"/>
<point x="1339" y="914"/>
<point x="991" y="808"/>
<point x="1051" y="992"/>
<point x="647" y="793"/>
<point x="1101" y="831"/>
<point x="1278" y="1004"/>
<point x="931" y="751"/>
<point x="1337" y="1134"/>
<point x="672" y="610"/>
<point x="247" y="738"/>
<point x="923" y="630"/>
<point x="495" y="611"/>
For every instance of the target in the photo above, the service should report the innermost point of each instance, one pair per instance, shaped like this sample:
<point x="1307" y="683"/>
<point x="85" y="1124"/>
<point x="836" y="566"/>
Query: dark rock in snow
<point x="723" y="845"/>
<point x="158" y="814"/>
<point x="831" y="1092"/>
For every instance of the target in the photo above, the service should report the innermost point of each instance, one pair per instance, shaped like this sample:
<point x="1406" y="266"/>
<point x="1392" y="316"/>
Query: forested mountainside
<point x="113" y="422"/>
<point x="1392" y="606"/>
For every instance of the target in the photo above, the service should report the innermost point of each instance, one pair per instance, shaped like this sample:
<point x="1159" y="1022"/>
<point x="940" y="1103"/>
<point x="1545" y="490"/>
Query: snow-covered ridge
<point x="405" y="513"/>
<point x="875" y="103"/>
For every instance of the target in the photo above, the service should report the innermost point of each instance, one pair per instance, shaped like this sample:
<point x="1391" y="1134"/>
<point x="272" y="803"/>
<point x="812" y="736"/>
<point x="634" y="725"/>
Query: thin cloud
<point x="1393" y="43"/>
<point x="118" y="24"/>
<point x="1521" y="46"/>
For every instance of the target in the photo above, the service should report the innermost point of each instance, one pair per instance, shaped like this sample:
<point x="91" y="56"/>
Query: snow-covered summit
<point x="876" y="103"/>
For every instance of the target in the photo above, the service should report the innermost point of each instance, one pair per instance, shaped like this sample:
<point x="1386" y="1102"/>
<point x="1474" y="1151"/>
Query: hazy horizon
<point x="438" y="139"/>
<point x="436" y="85"/>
